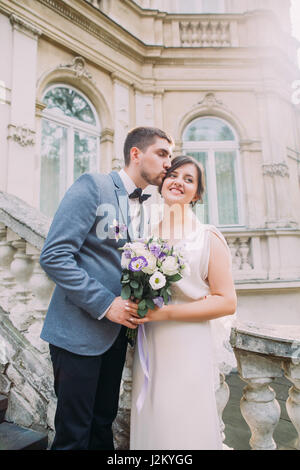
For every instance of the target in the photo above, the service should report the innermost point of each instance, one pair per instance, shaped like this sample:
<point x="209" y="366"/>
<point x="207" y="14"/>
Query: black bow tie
<point x="137" y="194"/>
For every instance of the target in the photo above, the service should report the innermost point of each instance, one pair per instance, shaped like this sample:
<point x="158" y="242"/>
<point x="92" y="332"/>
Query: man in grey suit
<point x="86" y="321"/>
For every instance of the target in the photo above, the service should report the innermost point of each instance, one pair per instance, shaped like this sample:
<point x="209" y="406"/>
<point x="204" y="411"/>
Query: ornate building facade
<point x="217" y="75"/>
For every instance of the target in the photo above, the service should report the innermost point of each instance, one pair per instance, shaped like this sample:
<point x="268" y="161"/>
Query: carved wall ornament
<point x="21" y="134"/>
<point x="210" y="101"/>
<point x="272" y="169"/>
<point x="24" y="26"/>
<point x="78" y="67"/>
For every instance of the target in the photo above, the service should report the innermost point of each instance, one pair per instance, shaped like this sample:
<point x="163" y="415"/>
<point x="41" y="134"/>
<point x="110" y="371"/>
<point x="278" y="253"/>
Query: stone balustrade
<point x="206" y="33"/>
<point x="264" y="352"/>
<point x="26" y="370"/>
<point x="258" y="254"/>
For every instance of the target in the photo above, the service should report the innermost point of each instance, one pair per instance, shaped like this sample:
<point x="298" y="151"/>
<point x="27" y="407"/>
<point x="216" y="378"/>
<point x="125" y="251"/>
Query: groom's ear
<point x="134" y="155"/>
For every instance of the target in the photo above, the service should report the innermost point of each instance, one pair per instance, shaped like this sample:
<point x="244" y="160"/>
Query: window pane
<point x="226" y="188"/>
<point x="65" y="101"/>
<point x="212" y="6"/>
<point x="54" y="149"/>
<point x="85" y="153"/>
<point x="189" y="6"/>
<point x="207" y="129"/>
<point x="202" y="209"/>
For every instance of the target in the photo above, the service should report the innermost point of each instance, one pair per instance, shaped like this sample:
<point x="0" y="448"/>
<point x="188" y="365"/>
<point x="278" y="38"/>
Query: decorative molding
<point x="107" y="135"/>
<point x="78" y="67"/>
<point x="210" y="101"/>
<point x="21" y="135"/>
<point x="24" y="26"/>
<point x="272" y="169"/>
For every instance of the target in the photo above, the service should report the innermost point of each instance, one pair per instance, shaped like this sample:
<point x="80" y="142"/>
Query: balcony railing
<point x="25" y="367"/>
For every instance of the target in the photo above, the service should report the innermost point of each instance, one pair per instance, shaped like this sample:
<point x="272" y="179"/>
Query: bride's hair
<point x="181" y="160"/>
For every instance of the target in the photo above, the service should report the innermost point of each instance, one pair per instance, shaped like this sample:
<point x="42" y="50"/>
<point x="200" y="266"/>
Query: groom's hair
<point x="142" y="138"/>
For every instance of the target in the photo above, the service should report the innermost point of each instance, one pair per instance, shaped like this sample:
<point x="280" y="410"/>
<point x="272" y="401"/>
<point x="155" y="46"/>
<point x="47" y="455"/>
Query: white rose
<point x="139" y="248"/>
<point x="170" y="266"/>
<point x="157" y="280"/>
<point x="151" y="260"/>
<point x="125" y="261"/>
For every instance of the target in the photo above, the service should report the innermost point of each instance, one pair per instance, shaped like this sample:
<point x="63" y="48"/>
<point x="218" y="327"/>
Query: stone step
<point x="13" y="437"/>
<point x="3" y="407"/>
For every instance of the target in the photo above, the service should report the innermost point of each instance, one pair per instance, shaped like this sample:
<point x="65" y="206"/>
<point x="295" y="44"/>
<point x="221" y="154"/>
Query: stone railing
<point x="258" y="254"/>
<point x="25" y="290"/>
<point x="207" y="33"/>
<point x="264" y="352"/>
<point x="257" y="28"/>
<point x="25" y="367"/>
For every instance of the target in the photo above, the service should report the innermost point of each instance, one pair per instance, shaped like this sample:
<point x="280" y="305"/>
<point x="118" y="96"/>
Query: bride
<point x="179" y="410"/>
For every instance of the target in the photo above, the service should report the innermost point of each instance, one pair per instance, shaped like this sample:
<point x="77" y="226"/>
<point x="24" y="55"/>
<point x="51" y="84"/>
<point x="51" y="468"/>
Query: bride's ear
<point x="195" y="199"/>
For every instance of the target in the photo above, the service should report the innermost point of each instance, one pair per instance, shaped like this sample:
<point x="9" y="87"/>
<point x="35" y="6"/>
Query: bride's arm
<point x="222" y="300"/>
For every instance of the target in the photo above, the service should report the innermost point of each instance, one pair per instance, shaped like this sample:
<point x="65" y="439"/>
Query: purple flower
<point x="138" y="263"/>
<point x="155" y="249"/>
<point x="159" y="301"/>
<point x="127" y="254"/>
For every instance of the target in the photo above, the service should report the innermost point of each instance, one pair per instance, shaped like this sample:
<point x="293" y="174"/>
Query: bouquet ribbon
<point x="144" y="360"/>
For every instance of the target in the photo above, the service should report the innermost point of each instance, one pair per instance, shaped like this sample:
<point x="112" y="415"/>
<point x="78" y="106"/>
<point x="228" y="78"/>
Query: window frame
<point x="210" y="147"/>
<point x="66" y="178"/>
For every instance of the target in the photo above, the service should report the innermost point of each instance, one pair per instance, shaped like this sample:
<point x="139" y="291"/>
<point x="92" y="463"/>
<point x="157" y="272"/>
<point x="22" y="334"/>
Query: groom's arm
<point x="71" y="224"/>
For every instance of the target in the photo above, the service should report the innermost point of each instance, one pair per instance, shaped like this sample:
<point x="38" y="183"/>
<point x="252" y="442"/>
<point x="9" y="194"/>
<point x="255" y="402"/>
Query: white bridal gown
<point x="179" y="410"/>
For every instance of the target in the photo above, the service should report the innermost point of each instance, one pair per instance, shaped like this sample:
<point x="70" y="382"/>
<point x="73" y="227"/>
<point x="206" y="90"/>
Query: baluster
<point x="222" y="397"/>
<point x="194" y="35"/>
<point x="292" y="373"/>
<point x="8" y="283"/>
<point x="205" y="36"/>
<point x="184" y="33"/>
<point x="245" y="251"/>
<point x="214" y="34"/>
<point x="21" y="267"/>
<point x="122" y="422"/>
<point x="261" y="412"/>
<point x="224" y="34"/>
<point x="42" y="288"/>
<point x="236" y="260"/>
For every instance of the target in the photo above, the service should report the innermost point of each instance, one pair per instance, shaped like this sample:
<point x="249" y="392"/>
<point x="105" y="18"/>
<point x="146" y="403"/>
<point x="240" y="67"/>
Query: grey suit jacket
<point x="81" y="256"/>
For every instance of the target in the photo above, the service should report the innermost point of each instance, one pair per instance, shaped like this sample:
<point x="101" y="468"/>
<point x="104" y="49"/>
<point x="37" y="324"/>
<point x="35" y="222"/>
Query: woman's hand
<point x="157" y="314"/>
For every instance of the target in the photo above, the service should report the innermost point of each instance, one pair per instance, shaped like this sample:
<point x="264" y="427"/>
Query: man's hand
<point x="123" y="312"/>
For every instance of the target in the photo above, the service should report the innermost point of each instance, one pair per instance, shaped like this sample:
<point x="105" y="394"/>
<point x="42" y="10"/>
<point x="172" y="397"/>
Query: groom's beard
<point x="154" y="180"/>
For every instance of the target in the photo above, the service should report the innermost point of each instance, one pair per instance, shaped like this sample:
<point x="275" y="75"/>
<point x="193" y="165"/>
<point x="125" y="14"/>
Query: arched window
<point x="214" y="143"/>
<point x="70" y="143"/>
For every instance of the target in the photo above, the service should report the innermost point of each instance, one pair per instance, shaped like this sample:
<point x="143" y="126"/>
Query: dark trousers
<point x="87" y="390"/>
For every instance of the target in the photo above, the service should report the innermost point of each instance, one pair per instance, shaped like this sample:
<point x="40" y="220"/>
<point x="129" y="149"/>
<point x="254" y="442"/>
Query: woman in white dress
<point x="179" y="410"/>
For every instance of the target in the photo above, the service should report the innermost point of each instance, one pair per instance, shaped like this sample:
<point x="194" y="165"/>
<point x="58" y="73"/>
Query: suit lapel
<point x="122" y="202"/>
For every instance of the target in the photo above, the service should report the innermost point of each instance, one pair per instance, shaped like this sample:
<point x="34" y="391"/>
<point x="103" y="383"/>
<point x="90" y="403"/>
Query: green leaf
<point x="142" y="313"/>
<point x="138" y="293"/>
<point x="142" y="304"/>
<point x="126" y="292"/>
<point x="150" y="304"/>
<point x="174" y="278"/>
<point x="134" y="284"/>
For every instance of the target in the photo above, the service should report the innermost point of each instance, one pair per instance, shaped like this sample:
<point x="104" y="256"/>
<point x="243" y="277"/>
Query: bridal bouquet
<point x="149" y="268"/>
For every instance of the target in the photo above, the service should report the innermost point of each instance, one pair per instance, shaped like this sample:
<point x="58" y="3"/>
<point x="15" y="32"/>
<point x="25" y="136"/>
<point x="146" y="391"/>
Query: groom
<point x="86" y="321"/>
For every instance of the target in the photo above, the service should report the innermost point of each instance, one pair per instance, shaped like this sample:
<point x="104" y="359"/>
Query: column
<point x="121" y="118"/>
<point x="21" y="127"/>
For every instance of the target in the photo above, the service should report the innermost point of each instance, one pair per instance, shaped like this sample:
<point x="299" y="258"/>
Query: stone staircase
<point x="14" y="437"/>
